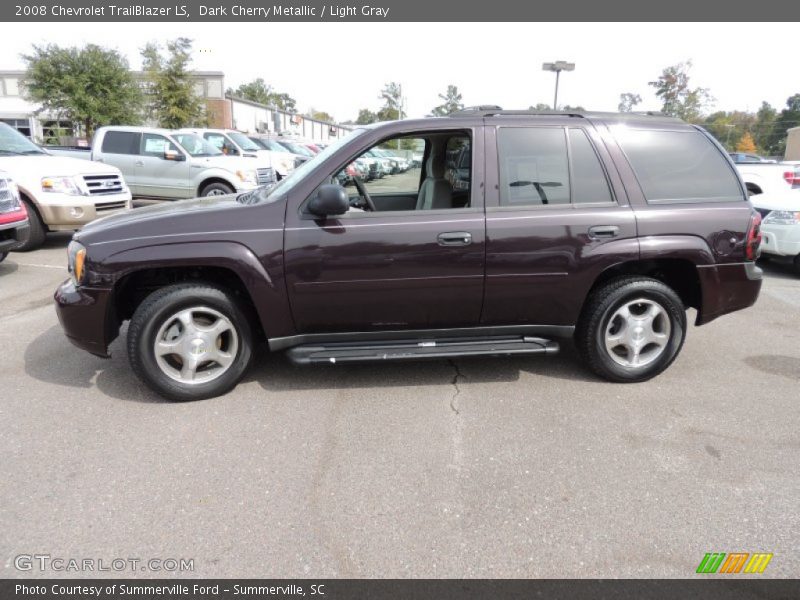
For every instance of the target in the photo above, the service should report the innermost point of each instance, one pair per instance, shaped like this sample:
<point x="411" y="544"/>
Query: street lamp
<point x="557" y="67"/>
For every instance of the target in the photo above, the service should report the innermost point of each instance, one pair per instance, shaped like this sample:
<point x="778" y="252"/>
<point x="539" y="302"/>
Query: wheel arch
<point x="211" y="179"/>
<point x="233" y="266"/>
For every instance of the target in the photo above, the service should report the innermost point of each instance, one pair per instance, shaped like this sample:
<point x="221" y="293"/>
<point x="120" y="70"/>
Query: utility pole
<point x="557" y="67"/>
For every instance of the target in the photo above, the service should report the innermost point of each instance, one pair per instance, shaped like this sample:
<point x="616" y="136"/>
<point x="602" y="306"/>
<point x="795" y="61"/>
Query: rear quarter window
<point x="678" y="166"/>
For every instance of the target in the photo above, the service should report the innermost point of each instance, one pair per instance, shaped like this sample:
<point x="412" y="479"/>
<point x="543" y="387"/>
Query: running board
<point x="416" y="349"/>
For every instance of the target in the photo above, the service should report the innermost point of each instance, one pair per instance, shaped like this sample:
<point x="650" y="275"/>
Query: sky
<point x="341" y="67"/>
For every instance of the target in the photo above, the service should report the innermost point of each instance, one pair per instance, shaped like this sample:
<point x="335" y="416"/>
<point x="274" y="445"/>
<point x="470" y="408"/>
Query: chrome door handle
<point x="139" y="163"/>
<point x="603" y="231"/>
<point x="455" y="238"/>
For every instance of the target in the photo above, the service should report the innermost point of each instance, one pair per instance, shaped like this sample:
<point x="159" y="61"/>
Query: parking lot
<point x="486" y="467"/>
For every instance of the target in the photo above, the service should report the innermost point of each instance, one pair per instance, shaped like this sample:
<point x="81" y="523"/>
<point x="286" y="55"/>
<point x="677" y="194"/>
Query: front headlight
<point x="60" y="185"/>
<point x="782" y="217"/>
<point x="76" y="262"/>
<point x="248" y="176"/>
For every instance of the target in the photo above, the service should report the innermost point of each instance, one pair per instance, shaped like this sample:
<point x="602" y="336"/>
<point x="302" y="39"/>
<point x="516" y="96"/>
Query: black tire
<point x="216" y="189"/>
<point x="601" y="307"/>
<point x="3" y="256"/>
<point x="36" y="230"/>
<point x="796" y="264"/>
<point x="156" y="310"/>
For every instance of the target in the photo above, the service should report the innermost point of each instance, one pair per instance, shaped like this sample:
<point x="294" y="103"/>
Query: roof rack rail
<point x="490" y="111"/>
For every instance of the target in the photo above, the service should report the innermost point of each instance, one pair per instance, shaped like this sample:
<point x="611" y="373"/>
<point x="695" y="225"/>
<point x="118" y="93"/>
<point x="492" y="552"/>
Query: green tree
<point x="92" y="86"/>
<point x="789" y="117"/>
<point x="320" y="115"/>
<point x="366" y="116"/>
<point x="174" y="102"/>
<point x="677" y="97"/>
<point x="392" y="96"/>
<point x="541" y="107"/>
<point x="765" y="122"/>
<point x="255" y="91"/>
<point x="729" y="127"/>
<point x="451" y="102"/>
<point x="261" y="92"/>
<point x="627" y="101"/>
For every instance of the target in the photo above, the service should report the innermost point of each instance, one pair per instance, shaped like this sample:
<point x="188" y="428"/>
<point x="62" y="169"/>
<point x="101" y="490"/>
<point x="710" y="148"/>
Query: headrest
<point x="436" y="161"/>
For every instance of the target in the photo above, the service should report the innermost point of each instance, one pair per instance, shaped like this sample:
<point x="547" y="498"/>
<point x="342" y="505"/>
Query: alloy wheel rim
<point x="637" y="333"/>
<point x="215" y="193"/>
<point x="196" y="345"/>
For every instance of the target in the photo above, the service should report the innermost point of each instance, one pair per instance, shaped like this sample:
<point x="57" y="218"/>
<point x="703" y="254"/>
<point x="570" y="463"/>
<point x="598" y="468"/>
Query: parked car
<point x="744" y="158"/>
<point x="171" y="165"/>
<point x="574" y="226"/>
<point x="780" y="227"/>
<point x="13" y="216"/>
<point x="283" y="160"/>
<point x="769" y="178"/>
<point x="59" y="193"/>
<point x="236" y="143"/>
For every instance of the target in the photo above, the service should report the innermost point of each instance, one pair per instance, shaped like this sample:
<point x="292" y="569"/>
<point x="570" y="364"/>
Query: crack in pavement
<point x="454" y="382"/>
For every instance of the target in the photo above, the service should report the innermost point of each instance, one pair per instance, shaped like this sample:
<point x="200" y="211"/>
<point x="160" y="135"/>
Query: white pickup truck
<point x="59" y="193"/>
<point x="173" y="165"/>
<point x="235" y="143"/>
<point x="769" y="178"/>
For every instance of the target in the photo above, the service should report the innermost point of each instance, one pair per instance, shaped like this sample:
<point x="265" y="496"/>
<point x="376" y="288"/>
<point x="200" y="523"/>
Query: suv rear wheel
<point x="189" y="342"/>
<point x="631" y="329"/>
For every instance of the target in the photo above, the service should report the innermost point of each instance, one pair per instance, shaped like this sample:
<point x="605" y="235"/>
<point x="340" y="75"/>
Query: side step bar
<point x="417" y="349"/>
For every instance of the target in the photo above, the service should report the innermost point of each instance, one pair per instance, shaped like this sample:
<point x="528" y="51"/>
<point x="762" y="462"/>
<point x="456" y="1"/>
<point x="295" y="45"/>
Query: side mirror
<point x="331" y="199"/>
<point x="170" y="154"/>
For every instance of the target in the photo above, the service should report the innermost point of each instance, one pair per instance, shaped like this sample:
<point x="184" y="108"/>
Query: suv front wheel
<point x="189" y="342"/>
<point x="631" y="329"/>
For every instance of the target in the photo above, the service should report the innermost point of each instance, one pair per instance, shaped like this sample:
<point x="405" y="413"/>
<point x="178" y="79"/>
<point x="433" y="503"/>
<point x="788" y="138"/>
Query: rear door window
<point x="120" y="142"/>
<point x="534" y="169"/>
<point x="678" y="166"/>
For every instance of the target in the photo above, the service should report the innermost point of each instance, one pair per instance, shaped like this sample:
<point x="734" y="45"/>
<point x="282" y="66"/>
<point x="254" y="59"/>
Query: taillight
<point x="791" y="177"/>
<point x="752" y="243"/>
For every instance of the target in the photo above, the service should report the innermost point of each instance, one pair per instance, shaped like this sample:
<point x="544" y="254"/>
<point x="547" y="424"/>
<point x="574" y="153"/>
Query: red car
<point x="13" y="216"/>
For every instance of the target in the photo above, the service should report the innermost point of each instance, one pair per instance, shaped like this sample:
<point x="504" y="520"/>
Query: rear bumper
<point x="84" y="317"/>
<point x="727" y="288"/>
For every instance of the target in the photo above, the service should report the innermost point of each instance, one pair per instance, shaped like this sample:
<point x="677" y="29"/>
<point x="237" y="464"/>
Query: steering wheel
<point x="362" y="191"/>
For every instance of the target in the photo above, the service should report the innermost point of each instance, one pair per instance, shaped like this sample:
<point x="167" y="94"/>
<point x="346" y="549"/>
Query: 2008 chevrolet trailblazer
<point x="601" y="227"/>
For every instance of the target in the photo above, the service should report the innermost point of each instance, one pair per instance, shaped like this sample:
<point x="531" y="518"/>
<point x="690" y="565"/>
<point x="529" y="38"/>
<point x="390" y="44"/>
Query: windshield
<point x="13" y="142"/>
<point x="270" y="145"/>
<point x="244" y="142"/>
<point x="297" y="149"/>
<point x="195" y="145"/>
<point x="285" y="185"/>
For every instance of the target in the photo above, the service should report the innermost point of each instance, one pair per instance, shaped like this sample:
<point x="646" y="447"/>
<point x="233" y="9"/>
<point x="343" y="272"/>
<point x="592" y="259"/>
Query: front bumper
<point x="781" y="240"/>
<point x="726" y="288"/>
<point x="86" y="316"/>
<point x="11" y="234"/>
<point x="61" y="212"/>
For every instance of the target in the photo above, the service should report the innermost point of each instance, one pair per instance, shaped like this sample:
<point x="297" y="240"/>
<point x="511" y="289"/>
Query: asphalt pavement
<point x="484" y="467"/>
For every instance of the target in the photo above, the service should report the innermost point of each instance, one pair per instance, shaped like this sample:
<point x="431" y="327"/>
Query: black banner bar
<point x="728" y="588"/>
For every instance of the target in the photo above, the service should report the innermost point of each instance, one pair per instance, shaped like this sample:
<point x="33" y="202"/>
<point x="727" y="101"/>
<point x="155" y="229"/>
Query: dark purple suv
<point x="603" y="228"/>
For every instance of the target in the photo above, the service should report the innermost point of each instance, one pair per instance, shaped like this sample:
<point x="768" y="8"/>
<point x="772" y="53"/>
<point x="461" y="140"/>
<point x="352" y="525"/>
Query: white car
<point x="59" y="193"/>
<point x="235" y="143"/>
<point x="780" y="225"/>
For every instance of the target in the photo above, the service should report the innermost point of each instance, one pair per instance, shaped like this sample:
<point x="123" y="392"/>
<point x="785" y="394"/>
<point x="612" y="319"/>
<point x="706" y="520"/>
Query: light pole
<point x="557" y="67"/>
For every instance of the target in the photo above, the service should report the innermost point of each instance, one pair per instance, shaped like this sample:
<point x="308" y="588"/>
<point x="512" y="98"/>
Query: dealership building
<point x="224" y="112"/>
